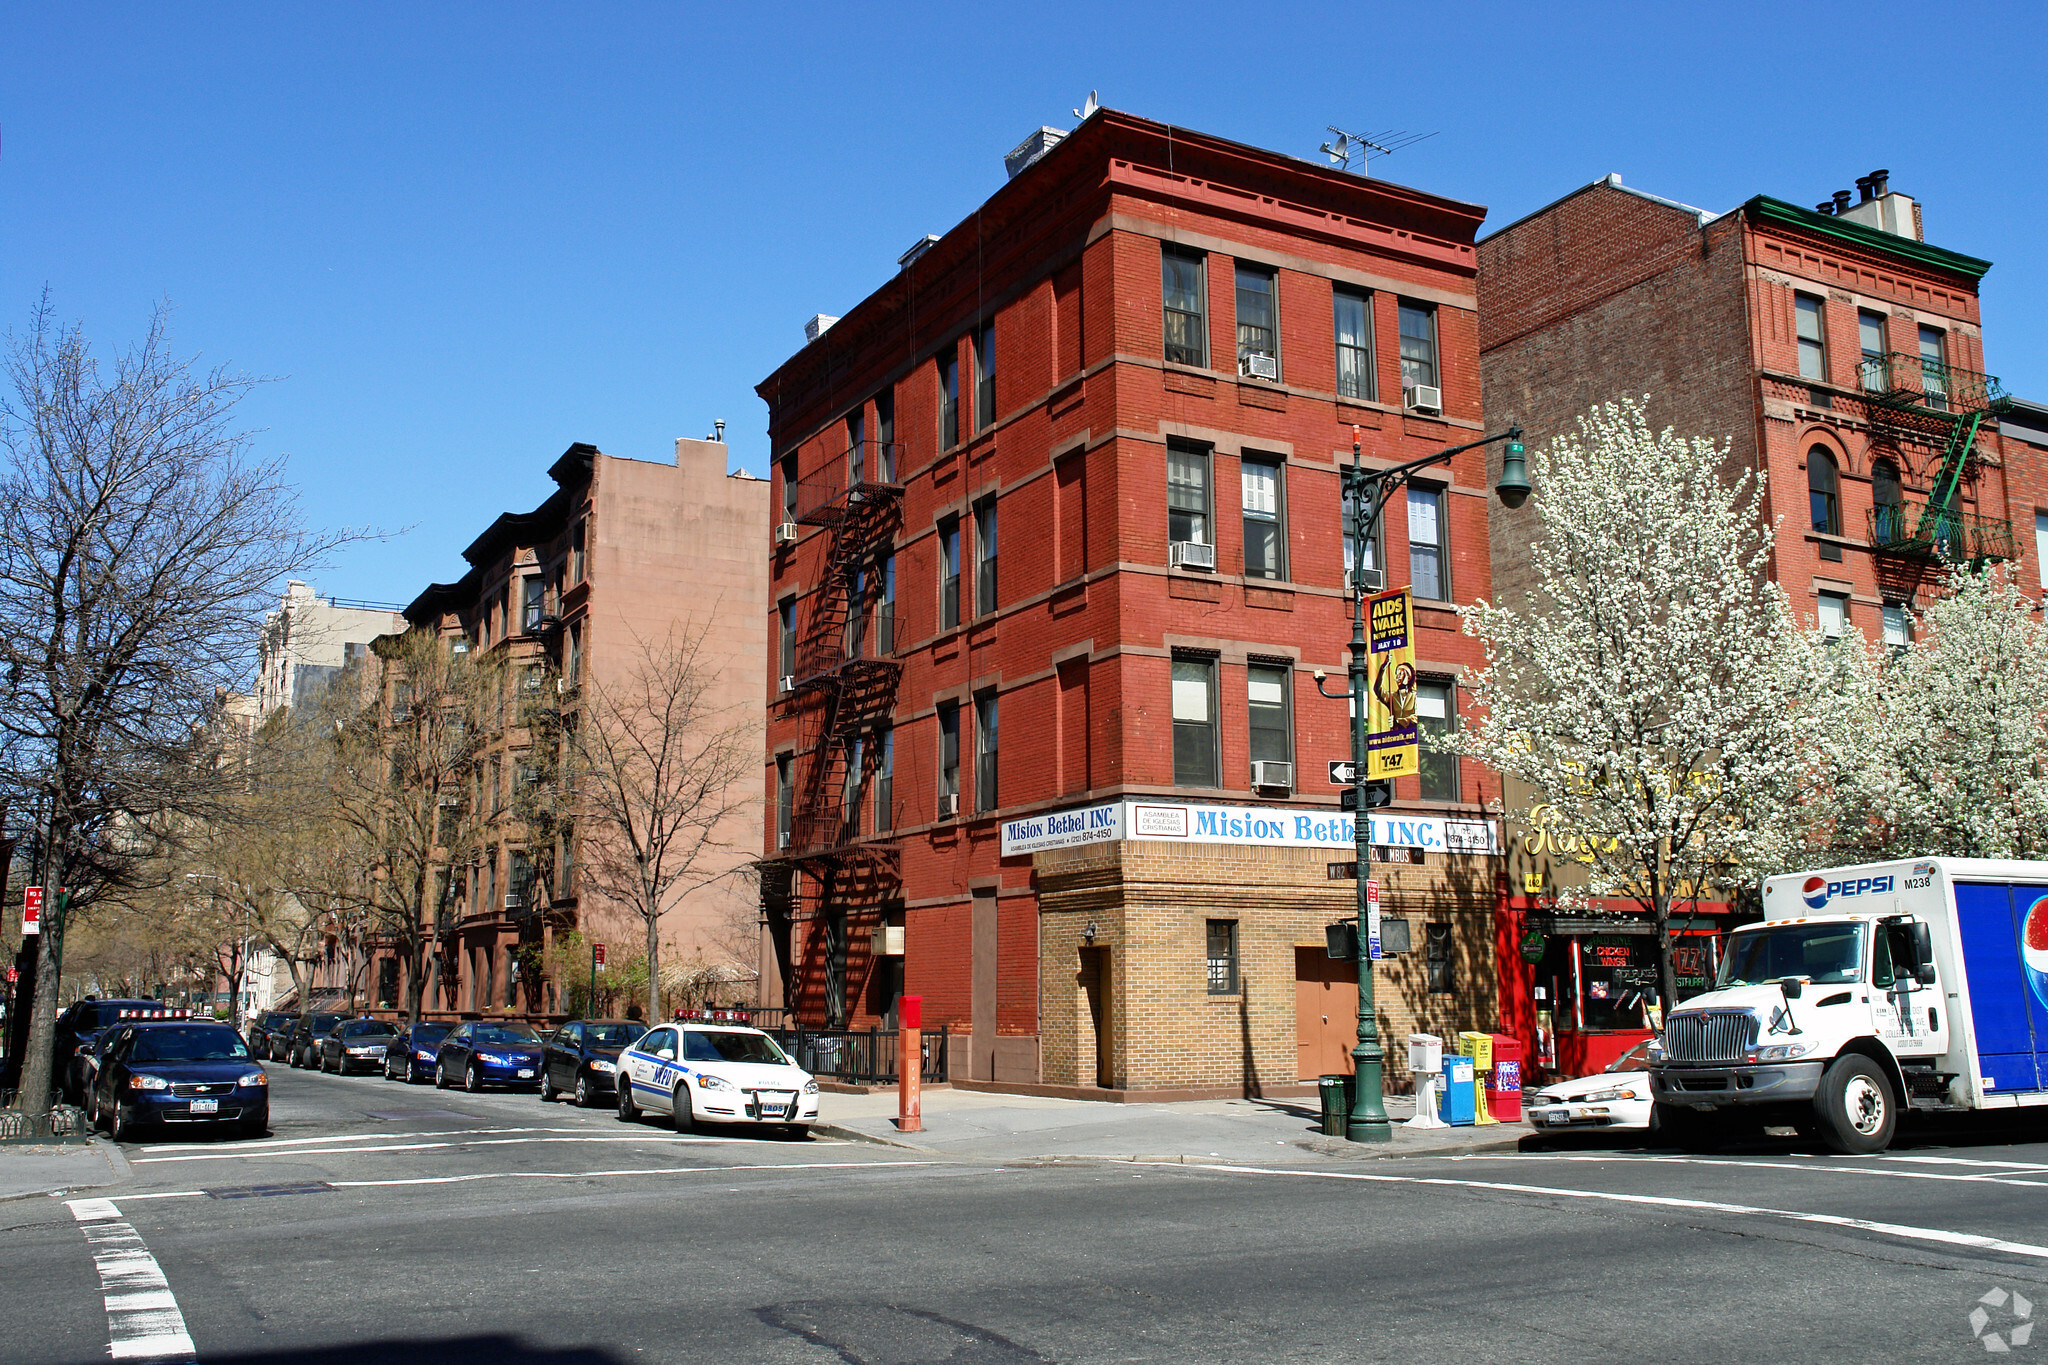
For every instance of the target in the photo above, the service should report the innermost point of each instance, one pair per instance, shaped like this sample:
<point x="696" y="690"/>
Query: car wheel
<point x="440" y="1076"/>
<point x="583" y="1096"/>
<point x="472" y="1079"/>
<point x="629" y="1112"/>
<point x="120" y="1127"/>
<point x="548" y="1093"/>
<point x="680" y="1112"/>
<point x="92" y="1110"/>
<point x="1857" y="1111"/>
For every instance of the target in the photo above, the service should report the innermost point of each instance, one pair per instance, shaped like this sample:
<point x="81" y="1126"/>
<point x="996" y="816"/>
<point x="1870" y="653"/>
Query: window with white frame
<point x="1833" y="614"/>
<point x="1194" y="722"/>
<point x="1265" y="529"/>
<point x="1426" y="567"/>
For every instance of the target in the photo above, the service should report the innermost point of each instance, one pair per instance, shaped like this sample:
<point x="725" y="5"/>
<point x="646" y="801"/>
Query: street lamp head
<point x="1512" y="488"/>
<point x="1320" y="675"/>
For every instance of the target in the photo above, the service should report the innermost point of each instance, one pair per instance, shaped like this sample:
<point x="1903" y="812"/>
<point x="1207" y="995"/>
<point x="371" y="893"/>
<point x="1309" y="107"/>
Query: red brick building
<point x="1842" y="358"/>
<point x="1061" y="546"/>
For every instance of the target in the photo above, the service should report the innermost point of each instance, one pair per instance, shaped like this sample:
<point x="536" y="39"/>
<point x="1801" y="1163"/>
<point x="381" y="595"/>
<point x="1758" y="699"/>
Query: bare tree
<point x="139" y="539"/>
<point x="657" y="772"/>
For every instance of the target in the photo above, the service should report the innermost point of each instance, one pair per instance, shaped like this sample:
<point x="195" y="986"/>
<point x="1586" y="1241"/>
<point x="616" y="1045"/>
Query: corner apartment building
<point x="308" y="640"/>
<point x="621" y="552"/>
<point x="1060" y="546"/>
<point x="1842" y="357"/>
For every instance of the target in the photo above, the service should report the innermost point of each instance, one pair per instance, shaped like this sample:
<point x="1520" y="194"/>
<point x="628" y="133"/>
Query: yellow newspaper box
<point x="1479" y="1047"/>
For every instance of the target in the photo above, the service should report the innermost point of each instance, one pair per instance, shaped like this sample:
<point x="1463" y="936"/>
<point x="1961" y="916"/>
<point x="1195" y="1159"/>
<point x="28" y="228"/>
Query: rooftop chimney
<point x="1841" y="202"/>
<point x="1864" y="194"/>
<point x="818" y="326"/>
<point x="1880" y="208"/>
<point x="1031" y="148"/>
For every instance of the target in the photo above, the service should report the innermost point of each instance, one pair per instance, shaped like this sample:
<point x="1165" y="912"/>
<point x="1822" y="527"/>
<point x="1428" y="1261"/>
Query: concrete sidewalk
<point x="59" y="1167"/>
<point x="984" y="1126"/>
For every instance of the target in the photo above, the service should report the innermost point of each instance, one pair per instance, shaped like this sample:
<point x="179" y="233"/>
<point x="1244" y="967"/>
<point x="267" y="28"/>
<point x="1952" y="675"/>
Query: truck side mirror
<point x="1924" y="973"/>
<point x="1792" y="986"/>
<point x="1923" y="947"/>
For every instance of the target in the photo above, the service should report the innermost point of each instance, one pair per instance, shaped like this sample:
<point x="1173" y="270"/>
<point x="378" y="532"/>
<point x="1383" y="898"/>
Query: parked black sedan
<point x="409" y="1056"/>
<point x="581" y="1059"/>
<point x="269" y="1033"/>
<point x="302" y="1049"/>
<point x="186" y="1072"/>
<point x="358" y="1044"/>
<point x="487" y="1052"/>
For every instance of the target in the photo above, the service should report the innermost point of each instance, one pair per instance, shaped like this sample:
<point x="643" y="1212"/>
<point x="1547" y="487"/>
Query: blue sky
<point x="463" y="237"/>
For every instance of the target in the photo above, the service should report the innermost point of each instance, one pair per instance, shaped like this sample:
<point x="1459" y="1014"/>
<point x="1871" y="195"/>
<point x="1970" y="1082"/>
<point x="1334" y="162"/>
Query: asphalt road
<point x="381" y="1223"/>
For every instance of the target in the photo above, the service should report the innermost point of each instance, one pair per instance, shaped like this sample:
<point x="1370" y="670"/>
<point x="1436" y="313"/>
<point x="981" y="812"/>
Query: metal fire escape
<point x="844" y="688"/>
<point x="1915" y="398"/>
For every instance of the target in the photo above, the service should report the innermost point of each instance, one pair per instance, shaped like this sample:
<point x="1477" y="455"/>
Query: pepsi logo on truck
<point x="1818" y="891"/>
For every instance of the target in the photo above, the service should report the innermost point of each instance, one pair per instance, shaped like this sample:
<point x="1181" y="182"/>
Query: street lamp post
<point x="1368" y="491"/>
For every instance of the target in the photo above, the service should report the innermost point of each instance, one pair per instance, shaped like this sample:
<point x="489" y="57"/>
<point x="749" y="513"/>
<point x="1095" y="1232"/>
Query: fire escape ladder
<point x="1941" y="518"/>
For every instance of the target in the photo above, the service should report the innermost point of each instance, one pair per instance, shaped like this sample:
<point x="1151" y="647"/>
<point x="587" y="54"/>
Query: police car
<point x="705" y="1072"/>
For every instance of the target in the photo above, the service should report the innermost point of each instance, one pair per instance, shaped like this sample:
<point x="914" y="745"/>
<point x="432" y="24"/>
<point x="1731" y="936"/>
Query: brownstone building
<point x="622" y="551"/>
<point x="1841" y="356"/>
<point x="1061" y="546"/>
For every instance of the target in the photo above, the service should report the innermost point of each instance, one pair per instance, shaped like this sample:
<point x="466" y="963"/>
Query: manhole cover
<point x="265" y="1191"/>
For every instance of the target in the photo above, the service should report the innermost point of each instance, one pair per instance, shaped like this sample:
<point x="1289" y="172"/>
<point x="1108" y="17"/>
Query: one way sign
<point x="1343" y="773"/>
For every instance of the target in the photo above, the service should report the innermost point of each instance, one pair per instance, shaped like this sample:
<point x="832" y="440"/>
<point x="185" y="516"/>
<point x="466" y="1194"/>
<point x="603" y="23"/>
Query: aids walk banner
<point x="1390" y="740"/>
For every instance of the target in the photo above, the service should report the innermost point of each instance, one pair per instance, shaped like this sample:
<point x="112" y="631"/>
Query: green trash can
<point x="1336" y="1096"/>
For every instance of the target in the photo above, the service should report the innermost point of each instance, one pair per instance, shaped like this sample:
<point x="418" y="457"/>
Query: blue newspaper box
<point x="1460" y="1099"/>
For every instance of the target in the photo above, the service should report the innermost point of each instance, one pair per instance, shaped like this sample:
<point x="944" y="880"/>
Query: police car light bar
<point x="154" y="1014"/>
<point x="713" y="1017"/>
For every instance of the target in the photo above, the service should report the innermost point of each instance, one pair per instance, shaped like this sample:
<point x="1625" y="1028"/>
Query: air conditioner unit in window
<point x="1191" y="554"/>
<point x="949" y="804"/>
<point x="1364" y="580"/>
<point x="886" y="940"/>
<point x="785" y="533"/>
<point x="782" y="838"/>
<point x="786" y="683"/>
<point x="1424" y="398"/>
<point x="1259" y="365"/>
<point x="1270" y="774"/>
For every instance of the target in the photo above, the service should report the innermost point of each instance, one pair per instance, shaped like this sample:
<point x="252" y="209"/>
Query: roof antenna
<point x="1344" y="146"/>
<point x="1088" y="107"/>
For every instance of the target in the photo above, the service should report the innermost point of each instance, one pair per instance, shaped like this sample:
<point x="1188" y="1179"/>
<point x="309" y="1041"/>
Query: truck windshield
<point x="1821" y="953"/>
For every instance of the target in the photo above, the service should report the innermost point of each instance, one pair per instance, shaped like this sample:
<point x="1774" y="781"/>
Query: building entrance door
<point x="1095" y="980"/>
<point x="1325" y="1014"/>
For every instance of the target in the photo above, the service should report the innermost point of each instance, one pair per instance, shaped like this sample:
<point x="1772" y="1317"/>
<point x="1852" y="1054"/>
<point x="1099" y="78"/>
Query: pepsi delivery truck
<point x="1865" y="992"/>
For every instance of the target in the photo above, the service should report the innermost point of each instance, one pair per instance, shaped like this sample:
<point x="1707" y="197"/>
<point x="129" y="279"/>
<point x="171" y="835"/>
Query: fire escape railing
<point x="1910" y="394"/>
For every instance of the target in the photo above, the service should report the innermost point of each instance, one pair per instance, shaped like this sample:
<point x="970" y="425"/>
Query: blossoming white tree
<point x="1648" y="688"/>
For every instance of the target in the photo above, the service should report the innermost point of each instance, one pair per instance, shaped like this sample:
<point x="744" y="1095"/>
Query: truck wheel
<point x="1857" y="1111"/>
<point x="1686" y="1129"/>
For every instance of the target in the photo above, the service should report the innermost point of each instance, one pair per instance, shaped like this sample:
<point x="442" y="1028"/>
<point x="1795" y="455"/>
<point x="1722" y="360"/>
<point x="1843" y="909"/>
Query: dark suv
<point x="302" y="1048"/>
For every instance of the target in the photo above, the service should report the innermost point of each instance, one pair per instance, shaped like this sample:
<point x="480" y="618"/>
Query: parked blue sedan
<point x="482" y="1053"/>
<point x="185" y="1072"/>
<point x="411" y="1055"/>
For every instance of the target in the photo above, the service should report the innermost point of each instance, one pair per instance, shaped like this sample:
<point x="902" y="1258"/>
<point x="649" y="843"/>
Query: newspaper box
<point x="1479" y="1047"/>
<point x="1458" y="1101"/>
<point x="1504" y="1082"/>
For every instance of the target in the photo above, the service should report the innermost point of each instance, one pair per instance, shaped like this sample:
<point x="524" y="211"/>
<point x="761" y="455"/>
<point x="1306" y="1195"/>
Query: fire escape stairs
<point x="1921" y="399"/>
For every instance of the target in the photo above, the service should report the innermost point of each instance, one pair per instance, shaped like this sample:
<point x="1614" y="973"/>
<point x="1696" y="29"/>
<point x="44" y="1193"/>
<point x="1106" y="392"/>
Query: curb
<point x="118" y="1173"/>
<point x="834" y="1130"/>
<point x="1355" y="1151"/>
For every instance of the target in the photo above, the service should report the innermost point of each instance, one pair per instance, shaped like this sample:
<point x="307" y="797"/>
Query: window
<point x="1258" y="328"/>
<point x="785" y="799"/>
<point x="857" y="614"/>
<point x="1426" y="543"/>
<point x="785" y="614"/>
<point x="1272" y="729"/>
<point x="985" y="747"/>
<point x="849" y="795"/>
<point x="1194" y="723"/>
<point x="535" y="594"/>
<point x="1824" y="491"/>
<point x="949" y="573"/>
<point x="885" y="613"/>
<point x="985" y="376"/>
<point x="522" y="878"/>
<point x="1370" y="560"/>
<point x="1187" y="494"/>
<point x="1887" y="502"/>
<point x="1265" y="534"/>
<point x="885" y="781"/>
<point x="497" y="802"/>
<point x="1834" y="614"/>
<point x="985" y="556"/>
<point x="576" y="565"/>
<point x="1418" y="345"/>
<point x="2041" y="547"/>
<point x="1807" y="322"/>
<point x="949" y="399"/>
<point x="949" y="757"/>
<point x="1437" y="941"/>
<point x="1222" y="957"/>
<point x="856" y="448"/>
<point x="574" y="671"/>
<point x="1185" y="293"/>
<point x="788" y="467"/>
<point x="885" y="436"/>
<point x="1436" y="716"/>
<point x="1933" y="371"/>
<point x="1870" y="339"/>
<point x="1355" y="377"/>
<point x="1898" y="625"/>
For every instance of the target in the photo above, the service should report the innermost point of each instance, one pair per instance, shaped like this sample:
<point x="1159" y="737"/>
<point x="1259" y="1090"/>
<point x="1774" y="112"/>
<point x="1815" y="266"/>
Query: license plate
<point x="773" y="1111"/>
<point x="525" y="1073"/>
<point x="206" y="1106"/>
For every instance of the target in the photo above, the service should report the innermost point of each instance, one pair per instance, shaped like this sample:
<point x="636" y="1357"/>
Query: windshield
<point x="430" y="1033"/>
<point x="323" y="1022"/>
<point x="367" y="1028"/>
<point x="733" y="1047"/>
<point x="188" y="1045"/>
<point x="612" y="1035"/>
<point x="1824" y="954"/>
<point x="1636" y="1058"/>
<point x="504" y="1033"/>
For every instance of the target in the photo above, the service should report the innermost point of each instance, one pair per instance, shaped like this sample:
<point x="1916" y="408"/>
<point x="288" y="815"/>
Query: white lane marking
<point x="1965" y="1161"/>
<point x="1918" y="1234"/>
<point x="143" y="1321"/>
<point x="381" y="1135"/>
<point x="1996" y="1177"/>
<point x="650" y="1170"/>
<point x="643" y="1139"/>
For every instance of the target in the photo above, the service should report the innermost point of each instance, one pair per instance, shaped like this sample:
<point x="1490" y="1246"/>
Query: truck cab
<point x="1830" y="1016"/>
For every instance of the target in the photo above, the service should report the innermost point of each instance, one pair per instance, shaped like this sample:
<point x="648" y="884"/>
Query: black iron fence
<point x="860" y="1057"/>
<point x="60" y="1123"/>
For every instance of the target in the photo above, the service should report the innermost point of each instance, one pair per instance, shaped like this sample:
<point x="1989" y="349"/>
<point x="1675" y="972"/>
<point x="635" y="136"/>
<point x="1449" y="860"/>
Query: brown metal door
<point x="1325" y="1013"/>
<point x="1095" y="979"/>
